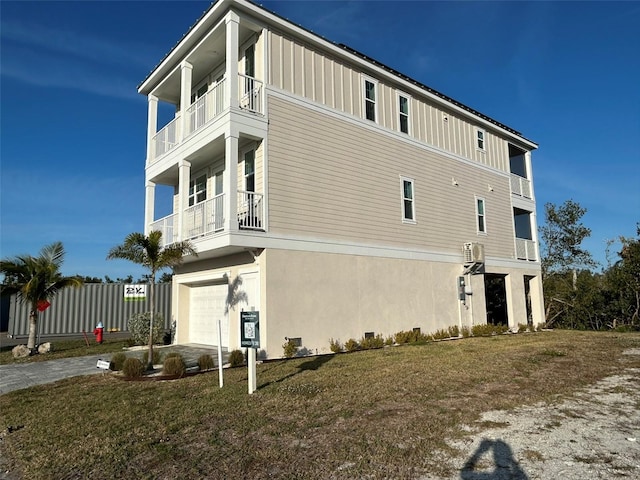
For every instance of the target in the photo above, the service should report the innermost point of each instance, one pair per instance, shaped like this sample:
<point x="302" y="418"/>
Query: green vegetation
<point x="67" y="348"/>
<point x="375" y="414"/>
<point x="205" y="362"/>
<point x="132" y="368"/>
<point x="236" y="358"/>
<point x="174" y="364"/>
<point x="290" y="349"/>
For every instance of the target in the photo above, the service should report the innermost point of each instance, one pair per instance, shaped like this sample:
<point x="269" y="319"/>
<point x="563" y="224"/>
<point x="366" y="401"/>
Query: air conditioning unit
<point x="473" y="253"/>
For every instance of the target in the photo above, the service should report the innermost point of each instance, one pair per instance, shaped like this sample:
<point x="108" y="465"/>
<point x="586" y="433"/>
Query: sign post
<point x="250" y="338"/>
<point x="220" y="377"/>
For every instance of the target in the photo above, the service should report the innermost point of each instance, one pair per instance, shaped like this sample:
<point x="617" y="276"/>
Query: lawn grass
<point x="66" y="348"/>
<point x="373" y="414"/>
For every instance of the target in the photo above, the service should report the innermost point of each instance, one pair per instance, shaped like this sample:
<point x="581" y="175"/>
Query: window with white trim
<point x="408" y="200"/>
<point x="198" y="189"/>
<point x="480" y="139"/>
<point x="403" y="113"/>
<point x="369" y="99"/>
<point x="250" y="171"/>
<point x="481" y="215"/>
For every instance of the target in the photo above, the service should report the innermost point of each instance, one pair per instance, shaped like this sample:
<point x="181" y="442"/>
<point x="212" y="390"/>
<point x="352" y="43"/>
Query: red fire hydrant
<point x="98" y="331"/>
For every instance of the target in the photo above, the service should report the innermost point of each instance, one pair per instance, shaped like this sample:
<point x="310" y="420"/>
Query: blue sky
<point x="565" y="74"/>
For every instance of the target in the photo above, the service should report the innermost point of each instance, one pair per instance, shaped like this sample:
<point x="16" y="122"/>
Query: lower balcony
<point x="526" y="249"/>
<point x="207" y="218"/>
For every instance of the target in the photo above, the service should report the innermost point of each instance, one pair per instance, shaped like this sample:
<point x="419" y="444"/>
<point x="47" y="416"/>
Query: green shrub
<point x="139" y="327"/>
<point x="441" y="334"/>
<point x="205" y="362"/>
<point x="483" y="330"/>
<point x="132" y="368"/>
<point x="117" y="360"/>
<point x="403" y="337"/>
<point x="290" y="349"/>
<point x="454" y="331"/>
<point x="351" y="345"/>
<point x="522" y="327"/>
<point x="389" y="340"/>
<point x="335" y="346"/>
<point x="236" y="358"/>
<point x="501" y="329"/>
<point x="466" y="332"/>
<point x="156" y="357"/>
<point x="172" y="354"/>
<point x="372" y="342"/>
<point x="174" y="365"/>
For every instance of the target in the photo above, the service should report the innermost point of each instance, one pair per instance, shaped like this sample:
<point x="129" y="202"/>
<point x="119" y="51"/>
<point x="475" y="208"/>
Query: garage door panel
<point x="207" y="306"/>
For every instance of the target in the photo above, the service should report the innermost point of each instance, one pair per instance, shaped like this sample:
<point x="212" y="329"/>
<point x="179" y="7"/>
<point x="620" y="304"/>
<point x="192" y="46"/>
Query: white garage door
<point x="207" y="306"/>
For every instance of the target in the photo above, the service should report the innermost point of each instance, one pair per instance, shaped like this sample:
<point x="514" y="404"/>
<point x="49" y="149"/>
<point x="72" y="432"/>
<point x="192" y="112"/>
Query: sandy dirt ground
<point x="593" y="434"/>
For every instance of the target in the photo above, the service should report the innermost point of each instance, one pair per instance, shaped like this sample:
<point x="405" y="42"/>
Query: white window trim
<point x="364" y="98"/>
<point x="484" y="215"/>
<point x="477" y="131"/>
<point x="413" y="200"/>
<point x="243" y="152"/>
<point x="408" y="97"/>
<point x="194" y="179"/>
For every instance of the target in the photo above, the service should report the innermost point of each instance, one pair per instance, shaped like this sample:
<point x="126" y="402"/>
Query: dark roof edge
<point x="358" y="54"/>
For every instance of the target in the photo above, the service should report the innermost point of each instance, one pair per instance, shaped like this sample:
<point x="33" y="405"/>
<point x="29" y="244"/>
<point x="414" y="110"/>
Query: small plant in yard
<point x="466" y="332"/>
<point x="236" y="358"/>
<point x="156" y="357"/>
<point x="372" y="342"/>
<point x="139" y="327"/>
<point x="403" y="337"/>
<point x="389" y="340"/>
<point x="205" y="362"/>
<point x="335" y="346"/>
<point x="522" y="327"/>
<point x="174" y="365"/>
<point x="441" y="334"/>
<point x="290" y="349"/>
<point x="454" y="331"/>
<point x="483" y="330"/>
<point x="117" y="360"/>
<point x="132" y="368"/>
<point x="351" y="345"/>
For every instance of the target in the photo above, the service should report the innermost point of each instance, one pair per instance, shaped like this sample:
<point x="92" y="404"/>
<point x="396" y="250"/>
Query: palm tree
<point x="36" y="280"/>
<point x="149" y="252"/>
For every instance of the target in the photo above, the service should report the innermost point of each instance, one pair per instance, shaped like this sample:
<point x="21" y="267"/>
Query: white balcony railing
<point x="250" y="93"/>
<point x="204" y="218"/>
<point x="206" y="108"/>
<point x="165" y="139"/>
<point x="250" y="210"/>
<point x="520" y="186"/>
<point x="167" y="227"/>
<point x="526" y="249"/>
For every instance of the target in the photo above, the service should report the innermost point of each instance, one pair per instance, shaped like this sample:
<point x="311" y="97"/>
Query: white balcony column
<point x="152" y="126"/>
<point x="231" y="66"/>
<point x="149" y="206"/>
<point x="184" y="178"/>
<point x="529" y="173"/>
<point x="230" y="183"/>
<point x="186" y="73"/>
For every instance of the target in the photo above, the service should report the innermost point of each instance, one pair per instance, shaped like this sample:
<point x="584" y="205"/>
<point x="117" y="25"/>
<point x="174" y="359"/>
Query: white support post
<point x="184" y="177"/>
<point x="186" y="72"/>
<point x="220" y="376"/>
<point x="231" y="66"/>
<point x="149" y="206"/>
<point x="230" y="184"/>
<point x="251" y="367"/>
<point x="152" y="126"/>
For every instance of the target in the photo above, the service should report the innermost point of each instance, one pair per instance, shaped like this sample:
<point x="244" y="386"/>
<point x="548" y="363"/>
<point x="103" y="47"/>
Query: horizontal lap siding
<point x="339" y="85"/>
<point x="332" y="179"/>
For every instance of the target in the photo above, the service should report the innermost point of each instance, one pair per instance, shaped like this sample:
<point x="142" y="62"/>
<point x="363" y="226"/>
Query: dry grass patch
<point x="65" y="349"/>
<point x="375" y="414"/>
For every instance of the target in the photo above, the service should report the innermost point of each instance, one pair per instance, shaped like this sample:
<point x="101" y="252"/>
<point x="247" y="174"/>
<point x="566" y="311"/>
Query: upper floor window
<point x="480" y="215"/>
<point x="408" y="201"/>
<point x="370" y="100"/>
<point x="250" y="171"/>
<point x="480" y="139"/>
<point x="198" y="190"/>
<point x="403" y="112"/>
<point x="250" y="61"/>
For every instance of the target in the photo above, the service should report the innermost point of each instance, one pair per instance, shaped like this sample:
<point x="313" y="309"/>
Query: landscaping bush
<point x="372" y="342"/>
<point x="156" y="357"/>
<point x="290" y="349"/>
<point x="389" y="340"/>
<point x="411" y="336"/>
<point x="139" y="327"/>
<point x="522" y="327"/>
<point x="117" y="361"/>
<point x="335" y="346"/>
<point x="440" y="334"/>
<point x="236" y="358"/>
<point x="174" y="365"/>
<point x="132" y="368"/>
<point x="205" y="362"/>
<point x="454" y="331"/>
<point x="351" y="345"/>
<point x="466" y="332"/>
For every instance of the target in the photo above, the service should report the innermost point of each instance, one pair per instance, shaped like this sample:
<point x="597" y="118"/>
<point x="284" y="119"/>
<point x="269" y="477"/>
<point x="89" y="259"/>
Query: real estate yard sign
<point x="135" y="293"/>
<point x="250" y="329"/>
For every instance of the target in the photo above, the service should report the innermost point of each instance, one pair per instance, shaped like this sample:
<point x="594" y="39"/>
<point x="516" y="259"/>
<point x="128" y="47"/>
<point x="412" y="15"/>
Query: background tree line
<point x="576" y="294"/>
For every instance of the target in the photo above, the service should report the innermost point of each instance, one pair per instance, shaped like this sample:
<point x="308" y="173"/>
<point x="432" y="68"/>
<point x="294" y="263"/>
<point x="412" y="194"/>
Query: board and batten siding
<point x="306" y="72"/>
<point x="331" y="178"/>
<point x="74" y="310"/>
